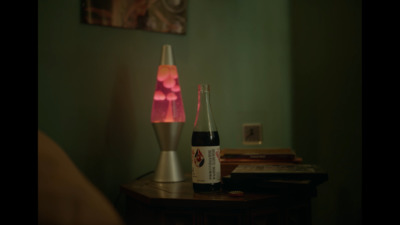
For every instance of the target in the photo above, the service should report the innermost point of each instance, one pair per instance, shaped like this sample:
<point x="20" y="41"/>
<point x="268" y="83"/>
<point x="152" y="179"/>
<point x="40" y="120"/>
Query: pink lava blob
<point x="167" y="101"/>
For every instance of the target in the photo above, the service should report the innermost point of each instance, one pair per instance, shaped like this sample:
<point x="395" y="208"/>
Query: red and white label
<point x="206" y="166"/>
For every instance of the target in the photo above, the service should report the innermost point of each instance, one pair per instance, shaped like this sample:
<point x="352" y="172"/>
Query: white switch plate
<point x="252" y="134"/>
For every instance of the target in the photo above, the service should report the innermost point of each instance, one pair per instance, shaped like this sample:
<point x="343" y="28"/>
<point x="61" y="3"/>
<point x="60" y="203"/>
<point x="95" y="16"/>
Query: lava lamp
<point x="167" y="118"/>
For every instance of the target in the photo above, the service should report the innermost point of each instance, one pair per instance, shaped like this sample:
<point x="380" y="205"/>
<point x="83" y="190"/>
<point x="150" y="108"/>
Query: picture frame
<point x="164" y="16"/>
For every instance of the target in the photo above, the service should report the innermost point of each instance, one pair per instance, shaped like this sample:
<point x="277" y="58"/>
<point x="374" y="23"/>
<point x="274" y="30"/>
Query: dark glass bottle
<point x="206" y="167"/>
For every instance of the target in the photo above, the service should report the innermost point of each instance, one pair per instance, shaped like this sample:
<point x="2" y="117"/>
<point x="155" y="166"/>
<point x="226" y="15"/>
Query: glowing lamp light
<point x="167" y="99"/>
<point x="167" y="118"/>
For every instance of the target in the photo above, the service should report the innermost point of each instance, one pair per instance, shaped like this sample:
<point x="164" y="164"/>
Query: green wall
<point x="95" y="87"/>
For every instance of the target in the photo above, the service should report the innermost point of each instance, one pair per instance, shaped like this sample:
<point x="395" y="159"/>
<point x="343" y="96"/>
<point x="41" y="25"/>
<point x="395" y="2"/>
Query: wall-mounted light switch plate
<point x="252" y="134"/>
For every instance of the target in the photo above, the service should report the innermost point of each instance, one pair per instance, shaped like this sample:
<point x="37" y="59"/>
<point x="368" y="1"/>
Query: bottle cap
<point x="236" y="193"/>
<point x="204" y="87"/>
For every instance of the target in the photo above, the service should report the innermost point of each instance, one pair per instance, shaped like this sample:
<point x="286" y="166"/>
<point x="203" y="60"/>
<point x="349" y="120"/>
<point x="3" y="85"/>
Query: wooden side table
<point x="149" y="202"/>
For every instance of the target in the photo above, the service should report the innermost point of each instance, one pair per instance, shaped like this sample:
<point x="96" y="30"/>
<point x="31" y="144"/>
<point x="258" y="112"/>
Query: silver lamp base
<point x="168" y="167"/>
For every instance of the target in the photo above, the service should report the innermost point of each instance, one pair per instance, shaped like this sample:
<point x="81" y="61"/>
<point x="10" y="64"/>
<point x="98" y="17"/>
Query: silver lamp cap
<point x="166" y="55"/>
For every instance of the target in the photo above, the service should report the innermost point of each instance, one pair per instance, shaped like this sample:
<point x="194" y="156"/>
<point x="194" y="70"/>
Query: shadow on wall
<point x="119" y="130"/>
<point x="111" y="166"/>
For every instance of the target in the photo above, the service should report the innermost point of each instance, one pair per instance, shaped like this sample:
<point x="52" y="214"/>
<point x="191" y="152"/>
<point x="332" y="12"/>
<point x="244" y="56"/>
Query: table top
<point x="182" y="194"/>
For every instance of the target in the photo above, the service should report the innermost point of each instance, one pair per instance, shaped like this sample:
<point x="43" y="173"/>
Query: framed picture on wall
<point x="165" y="16"/>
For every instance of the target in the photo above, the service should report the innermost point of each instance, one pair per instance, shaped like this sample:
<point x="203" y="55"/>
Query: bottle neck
<point x="204" y="117"/>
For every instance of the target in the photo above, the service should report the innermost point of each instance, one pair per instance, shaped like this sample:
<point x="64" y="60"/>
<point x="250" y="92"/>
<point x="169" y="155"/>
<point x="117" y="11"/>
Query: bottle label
<point x="206" y="165"/>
